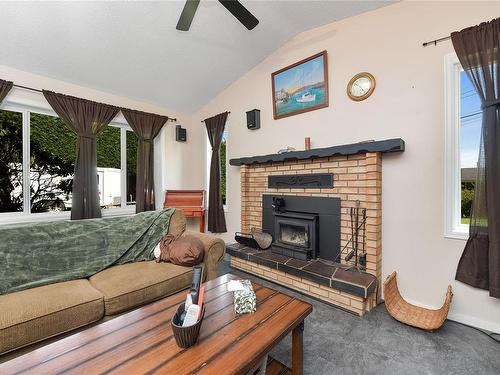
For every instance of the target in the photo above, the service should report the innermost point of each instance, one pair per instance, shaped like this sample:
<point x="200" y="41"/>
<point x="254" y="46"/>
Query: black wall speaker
<point x="253" y="119"/>
<point x="180" y="134"/>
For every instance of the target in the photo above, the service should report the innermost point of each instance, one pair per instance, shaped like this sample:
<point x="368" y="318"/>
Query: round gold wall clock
<point x="361" y="86"/>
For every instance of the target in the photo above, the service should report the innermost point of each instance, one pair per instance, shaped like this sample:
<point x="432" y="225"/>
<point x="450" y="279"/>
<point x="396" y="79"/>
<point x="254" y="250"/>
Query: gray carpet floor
<point x="337" y="342"/>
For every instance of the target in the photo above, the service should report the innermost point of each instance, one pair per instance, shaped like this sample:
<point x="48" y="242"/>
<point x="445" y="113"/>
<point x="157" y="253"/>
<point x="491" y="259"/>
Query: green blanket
<point x="32" y="255"/>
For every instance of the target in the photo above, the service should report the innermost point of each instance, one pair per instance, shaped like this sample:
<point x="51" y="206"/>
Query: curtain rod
<point x="228" y="112"/>
<point x="40" y="91"/>
<point x="436" y="41"/>
<point x="28" y="88"/>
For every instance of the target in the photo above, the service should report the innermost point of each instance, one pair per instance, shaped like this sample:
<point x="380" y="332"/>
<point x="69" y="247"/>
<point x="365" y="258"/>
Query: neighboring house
<point x="468" y="174"/>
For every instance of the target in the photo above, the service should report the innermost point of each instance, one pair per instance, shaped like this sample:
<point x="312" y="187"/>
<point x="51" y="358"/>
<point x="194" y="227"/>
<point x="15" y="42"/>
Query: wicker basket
<point x="410" y="314"/>
<point x="186" y="336"/>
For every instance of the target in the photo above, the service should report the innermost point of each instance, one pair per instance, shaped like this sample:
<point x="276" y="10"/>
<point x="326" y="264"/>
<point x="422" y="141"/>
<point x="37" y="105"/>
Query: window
<point x="470" y="133"/>
<point x="223" y="166"/>
<point x="37" y="160"/>
<point x="52" y="162"/>
<point x="463" y="131"/>
<point x="11" y="161"/>
<point x="131" y="166"/>
<point x="108" y="146"/>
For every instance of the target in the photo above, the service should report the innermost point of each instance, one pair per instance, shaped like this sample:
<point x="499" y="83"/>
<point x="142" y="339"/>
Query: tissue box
<point x="245" y="300"/>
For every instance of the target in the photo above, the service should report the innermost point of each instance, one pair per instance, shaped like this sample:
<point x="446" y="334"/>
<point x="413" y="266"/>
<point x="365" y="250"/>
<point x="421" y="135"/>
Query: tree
<point x="11" y="157"/>
<point x="467" y="198"/>
<point x="52" y="162"/>
<point x="52" y="159"/>
<point x="132" y="142"/>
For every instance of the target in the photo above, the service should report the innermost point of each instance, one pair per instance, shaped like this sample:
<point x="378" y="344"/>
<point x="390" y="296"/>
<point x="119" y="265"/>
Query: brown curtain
<point x="5" y="87"/>
<point x="478" y="49"/>
<point x="146" y="126"/>
<point x="86" y="119"/>
<point x="215" y="130"/>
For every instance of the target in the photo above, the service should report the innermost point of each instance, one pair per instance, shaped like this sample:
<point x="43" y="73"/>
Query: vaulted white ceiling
<point x="133" y="49"/>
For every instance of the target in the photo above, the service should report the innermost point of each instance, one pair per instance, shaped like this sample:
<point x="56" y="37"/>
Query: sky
<point x="308" y="73"/>
<point x="470" y="123"/>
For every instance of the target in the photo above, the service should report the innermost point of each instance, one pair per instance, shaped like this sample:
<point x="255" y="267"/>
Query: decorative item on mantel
<point x="307" y="143"/>
<point x="285" y="150"/>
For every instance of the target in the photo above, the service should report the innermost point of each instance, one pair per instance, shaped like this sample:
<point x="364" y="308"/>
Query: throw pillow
<point x="186" y="250"/>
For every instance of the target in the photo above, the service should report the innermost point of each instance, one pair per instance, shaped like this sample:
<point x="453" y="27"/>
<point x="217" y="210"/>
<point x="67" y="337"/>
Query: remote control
<point x="195" y="285"/>
<point x="191" y="315"/>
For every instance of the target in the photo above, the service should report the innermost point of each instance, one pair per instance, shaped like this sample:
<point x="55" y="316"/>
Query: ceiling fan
<point x="235" y="7"/>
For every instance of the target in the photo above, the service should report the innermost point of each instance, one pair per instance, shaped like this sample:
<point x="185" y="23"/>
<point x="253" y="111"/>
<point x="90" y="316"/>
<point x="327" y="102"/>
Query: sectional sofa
<point x="39" y="313"/>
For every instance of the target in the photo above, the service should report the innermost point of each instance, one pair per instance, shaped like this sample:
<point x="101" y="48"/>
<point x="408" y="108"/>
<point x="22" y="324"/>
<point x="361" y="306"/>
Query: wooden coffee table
<point x="141" y="341"/>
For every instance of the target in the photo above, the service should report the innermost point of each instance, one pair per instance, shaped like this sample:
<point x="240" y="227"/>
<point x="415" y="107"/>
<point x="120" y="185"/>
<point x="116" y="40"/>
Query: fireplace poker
<point x="362" y="256"/>
<point x="356" y="244"/>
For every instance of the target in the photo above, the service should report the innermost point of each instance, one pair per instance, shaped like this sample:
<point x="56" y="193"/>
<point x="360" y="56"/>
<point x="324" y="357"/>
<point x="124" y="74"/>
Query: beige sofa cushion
<point x="35" y="314"/>
<point x="134" y="284"/>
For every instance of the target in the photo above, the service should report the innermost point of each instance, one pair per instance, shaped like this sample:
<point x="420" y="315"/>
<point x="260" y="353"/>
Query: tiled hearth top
<point x="323" y="272"/>
<point x="388" y="145"/>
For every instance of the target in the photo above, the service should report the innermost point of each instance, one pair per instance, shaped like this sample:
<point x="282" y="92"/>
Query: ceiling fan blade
<point x="241" y="13"/>
<point x="187" y="15"/>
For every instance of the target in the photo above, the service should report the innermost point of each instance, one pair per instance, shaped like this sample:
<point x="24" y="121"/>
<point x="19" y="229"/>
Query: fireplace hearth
<point x="303" y="227"/>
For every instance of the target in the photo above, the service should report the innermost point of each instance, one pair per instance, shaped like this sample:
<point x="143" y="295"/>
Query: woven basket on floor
<point x="410" y="314"/>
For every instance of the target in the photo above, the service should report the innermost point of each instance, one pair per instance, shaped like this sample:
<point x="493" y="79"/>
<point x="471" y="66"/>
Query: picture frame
<point x="301" y="87"/>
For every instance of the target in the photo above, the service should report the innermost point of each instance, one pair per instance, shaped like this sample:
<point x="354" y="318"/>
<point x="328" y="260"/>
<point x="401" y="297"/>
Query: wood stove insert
<point x="295" y="235"/>
<point x="303" y="227"/>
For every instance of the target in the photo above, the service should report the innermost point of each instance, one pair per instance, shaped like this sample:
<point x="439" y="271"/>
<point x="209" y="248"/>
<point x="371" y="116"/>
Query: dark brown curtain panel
<point x="215" y="130"/>
<point x="478" y="49"/>
<point x="5" y="87"/>
<point x="87" y="119"/>
<point x="146" y="126"/>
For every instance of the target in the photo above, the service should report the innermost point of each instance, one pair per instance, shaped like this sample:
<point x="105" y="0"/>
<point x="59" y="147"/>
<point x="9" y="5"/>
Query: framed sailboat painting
<point x="301" y="87"/>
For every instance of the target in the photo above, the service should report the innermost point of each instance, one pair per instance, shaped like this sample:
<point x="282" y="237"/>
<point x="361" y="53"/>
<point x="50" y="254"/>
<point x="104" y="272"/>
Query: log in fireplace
<point x="303" y="227"/>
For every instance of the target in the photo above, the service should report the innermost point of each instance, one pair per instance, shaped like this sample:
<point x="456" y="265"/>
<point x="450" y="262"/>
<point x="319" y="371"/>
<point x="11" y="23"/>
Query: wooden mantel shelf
<point x="388" y="145"/>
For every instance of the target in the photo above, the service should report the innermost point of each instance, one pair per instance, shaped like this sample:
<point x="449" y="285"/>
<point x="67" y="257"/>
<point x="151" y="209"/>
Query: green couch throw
<point x="33" y="255"/>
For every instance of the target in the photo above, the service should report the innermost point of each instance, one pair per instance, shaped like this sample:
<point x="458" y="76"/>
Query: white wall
<point x="408" y="103"/>
<point x="173" y="158"/>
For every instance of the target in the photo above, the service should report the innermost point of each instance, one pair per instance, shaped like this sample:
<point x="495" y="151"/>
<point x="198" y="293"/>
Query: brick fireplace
<point x="352" y="174"/>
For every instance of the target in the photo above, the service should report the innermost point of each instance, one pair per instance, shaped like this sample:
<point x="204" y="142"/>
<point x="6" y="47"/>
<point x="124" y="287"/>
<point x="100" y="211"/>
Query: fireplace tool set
<point x="353" y="253"/>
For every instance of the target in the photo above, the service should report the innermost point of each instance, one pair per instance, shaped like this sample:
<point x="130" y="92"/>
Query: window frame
<point x="452" y="194"/>
<point x="26" y="216"/>
<point x="208" y="157"/>
<point x="124" y="209"/>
